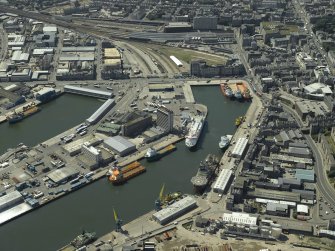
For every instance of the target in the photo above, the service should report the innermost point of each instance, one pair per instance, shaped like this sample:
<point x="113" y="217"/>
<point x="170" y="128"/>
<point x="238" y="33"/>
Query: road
<point x="301" y="12"/>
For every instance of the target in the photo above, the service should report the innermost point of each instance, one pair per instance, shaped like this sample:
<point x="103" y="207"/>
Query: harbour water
<point x="91" y="208"/>
<point x="54" y="118"/>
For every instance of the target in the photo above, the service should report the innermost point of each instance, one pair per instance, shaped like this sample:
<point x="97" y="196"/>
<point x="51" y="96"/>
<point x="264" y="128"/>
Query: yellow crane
<point x="158" y="202"/>
<point x="118" y="222"/>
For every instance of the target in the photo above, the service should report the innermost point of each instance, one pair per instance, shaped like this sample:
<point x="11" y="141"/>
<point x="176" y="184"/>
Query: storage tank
<point x="276" y="232"/>
<point x="253" y="230"/>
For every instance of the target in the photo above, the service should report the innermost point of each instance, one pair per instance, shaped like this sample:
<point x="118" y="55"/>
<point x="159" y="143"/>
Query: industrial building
<point x="98" y="114"/>
<point x="165" y="119"/>
<point x="74" y="147"/>
<point x="120" y="145"/>
<point x="9" y="200"/>
<point x="222" y="181"/>
<point x="137" y="125"/>
<point x="240" y="148"/>
<point x="275" y="195"/>
<point x="87" y="92"/>
<point x="277" y="209"/>
<point x="161" y="88"/>
<point x="305" y="175"/>
<point x="91" y="153"/>
<point x="45" y="94"/>
<point x="63" y="174"/>
<point x="240" y="219"/>
<point x="79" y="49"/>
<point x="175" y="210"/>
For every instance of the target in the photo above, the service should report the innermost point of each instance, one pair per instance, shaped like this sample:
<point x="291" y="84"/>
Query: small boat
<point x="225" y="140"/>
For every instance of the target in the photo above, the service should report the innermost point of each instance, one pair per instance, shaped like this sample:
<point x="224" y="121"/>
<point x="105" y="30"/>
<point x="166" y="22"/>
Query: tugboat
<point x="205" y="173"/>
<point x="16" y="117"/>
<point x="83" y="239"/>
<point x="226" y="90"/>
<point x="238" y="94"/>
<point x="225" y="140"/>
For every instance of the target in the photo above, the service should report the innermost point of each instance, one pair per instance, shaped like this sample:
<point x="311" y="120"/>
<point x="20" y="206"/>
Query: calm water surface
<point x="91" y="208"/>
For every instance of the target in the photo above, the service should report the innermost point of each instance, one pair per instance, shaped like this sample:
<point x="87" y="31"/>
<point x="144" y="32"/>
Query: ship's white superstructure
<point x="195" y="131"/>
<point x="225" y="140"/>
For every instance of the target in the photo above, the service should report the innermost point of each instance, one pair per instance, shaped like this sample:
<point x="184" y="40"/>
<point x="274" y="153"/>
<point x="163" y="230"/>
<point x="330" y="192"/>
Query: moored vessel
<point x="195" y="131"/>
<point x="205" y="173"/>
<point x="152" y="154"/>
<point x="83" y="239"/>
<point x="225" y="140"/>
<point x="226" y="90"/>
<point x="119" y="175"/>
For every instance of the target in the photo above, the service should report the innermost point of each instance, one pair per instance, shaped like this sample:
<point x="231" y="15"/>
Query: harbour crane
<point x="118" y="222"/>
<point x="158" y="202"/>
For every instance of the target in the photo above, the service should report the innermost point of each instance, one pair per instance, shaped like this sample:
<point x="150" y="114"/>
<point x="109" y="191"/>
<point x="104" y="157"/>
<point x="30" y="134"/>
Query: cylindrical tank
<point x="276" y="232"/>
<point x="253" y="230"/>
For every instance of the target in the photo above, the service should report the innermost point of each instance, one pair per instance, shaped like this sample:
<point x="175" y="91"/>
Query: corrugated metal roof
<point x="119" y="143"/>
<point x="102" y="109"/>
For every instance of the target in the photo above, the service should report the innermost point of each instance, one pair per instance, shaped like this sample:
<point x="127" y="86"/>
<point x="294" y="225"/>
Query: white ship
<point x="194" y="132"/>
<point x="150" y="153"/>
<point x="225" y="140"/>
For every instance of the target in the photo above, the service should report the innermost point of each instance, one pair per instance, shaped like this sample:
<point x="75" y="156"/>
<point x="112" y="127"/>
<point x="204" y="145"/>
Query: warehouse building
<point x="305" y="175"/>
<point x="175" y="210"/>
<point x="78" y="49"/>
<point x="222" y="181"/>
<point x="9" y="200"/>
<point x="275" y="195"/>
<point x="98" y="114"/>
<point x="63" y="174"/>
<point x="240" y="148"/>
<point x="120" y="145"/>
<point x="87" y="92"/>
<point x="277" y="209"/>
